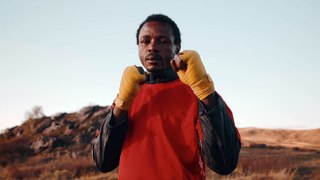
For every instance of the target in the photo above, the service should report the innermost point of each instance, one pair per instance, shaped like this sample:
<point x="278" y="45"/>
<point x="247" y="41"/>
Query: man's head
<point x="158" y="40"/>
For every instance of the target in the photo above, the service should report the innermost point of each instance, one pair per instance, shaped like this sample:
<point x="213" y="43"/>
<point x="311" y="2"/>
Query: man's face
<point x="156" y="46"/>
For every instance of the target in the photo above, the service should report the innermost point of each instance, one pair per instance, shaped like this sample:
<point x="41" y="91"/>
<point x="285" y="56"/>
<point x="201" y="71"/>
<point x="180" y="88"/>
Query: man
<point x="167" y="122"/>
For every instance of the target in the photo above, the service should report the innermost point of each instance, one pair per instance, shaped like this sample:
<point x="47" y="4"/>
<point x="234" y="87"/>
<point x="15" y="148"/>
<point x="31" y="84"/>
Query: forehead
<point x="154" y="28"/>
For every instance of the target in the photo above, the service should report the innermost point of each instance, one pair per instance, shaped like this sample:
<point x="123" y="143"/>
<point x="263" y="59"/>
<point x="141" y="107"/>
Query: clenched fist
<point x="132" y="78"/>
<point x="191" y="71"/>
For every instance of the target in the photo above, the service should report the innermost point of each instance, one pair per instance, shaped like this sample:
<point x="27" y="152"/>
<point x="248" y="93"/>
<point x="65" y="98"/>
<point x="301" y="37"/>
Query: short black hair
<point x="163" y="19"/>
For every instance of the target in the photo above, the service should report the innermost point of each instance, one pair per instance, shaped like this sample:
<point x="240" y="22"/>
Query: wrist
<point x="210" y="101"/>
<point x="124" y="105"/>
<point x="119" y="113"/>
<point x="204" y="87"/>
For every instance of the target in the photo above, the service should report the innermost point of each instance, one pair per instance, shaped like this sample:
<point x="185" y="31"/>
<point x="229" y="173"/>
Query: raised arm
<point x="220" y="143"/>
<point x="108" y="145"/>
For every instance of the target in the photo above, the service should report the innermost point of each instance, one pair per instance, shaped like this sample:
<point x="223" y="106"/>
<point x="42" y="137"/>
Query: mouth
<point x="153" y="58"/>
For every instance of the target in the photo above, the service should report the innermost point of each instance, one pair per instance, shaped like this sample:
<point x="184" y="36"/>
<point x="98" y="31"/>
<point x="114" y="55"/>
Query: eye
<point x="164" y="41"/>
<point x="144" y="41"/>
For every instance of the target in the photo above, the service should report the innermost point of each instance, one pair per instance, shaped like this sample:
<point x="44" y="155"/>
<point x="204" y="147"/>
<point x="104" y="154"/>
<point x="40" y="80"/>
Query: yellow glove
<point x="195" y="74"/>
<point x="132" y="78"/>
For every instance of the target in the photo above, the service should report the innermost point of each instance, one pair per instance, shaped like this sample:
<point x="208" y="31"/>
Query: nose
<point x="153" y="46"/>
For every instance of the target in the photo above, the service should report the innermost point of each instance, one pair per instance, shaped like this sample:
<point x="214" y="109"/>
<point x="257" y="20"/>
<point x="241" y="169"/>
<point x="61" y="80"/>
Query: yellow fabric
<point x="129" y="87"/>
<point x="195" y="75"/>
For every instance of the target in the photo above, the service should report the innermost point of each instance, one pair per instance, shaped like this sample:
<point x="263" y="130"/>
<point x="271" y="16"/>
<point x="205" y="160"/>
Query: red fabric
<point x="162" y="140"/>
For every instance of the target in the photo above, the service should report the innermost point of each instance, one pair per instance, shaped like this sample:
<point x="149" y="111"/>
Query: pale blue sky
<point x="264" y="56"/>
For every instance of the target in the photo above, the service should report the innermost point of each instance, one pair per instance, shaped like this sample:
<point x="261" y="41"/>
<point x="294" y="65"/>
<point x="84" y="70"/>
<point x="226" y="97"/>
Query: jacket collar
<point x="165" y="76"/>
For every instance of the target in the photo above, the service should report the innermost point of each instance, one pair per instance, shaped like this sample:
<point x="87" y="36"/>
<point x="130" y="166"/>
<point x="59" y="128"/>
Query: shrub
<point x="35" y="113"/>
<point x="15" y="149"/>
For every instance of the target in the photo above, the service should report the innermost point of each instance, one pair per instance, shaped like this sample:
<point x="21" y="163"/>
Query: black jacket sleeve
<point x="220" y="144"/>
<point x="106" y="148"/>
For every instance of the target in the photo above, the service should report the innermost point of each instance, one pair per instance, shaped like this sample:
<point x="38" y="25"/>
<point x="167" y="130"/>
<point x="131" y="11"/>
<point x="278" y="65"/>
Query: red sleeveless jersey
<point x="162" y="140"/>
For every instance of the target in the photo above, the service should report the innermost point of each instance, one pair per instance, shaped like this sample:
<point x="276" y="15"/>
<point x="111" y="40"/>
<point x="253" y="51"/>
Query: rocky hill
<point x="52" y="142"/>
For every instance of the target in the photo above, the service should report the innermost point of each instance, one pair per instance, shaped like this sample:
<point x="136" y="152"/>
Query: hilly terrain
<point x="59" y="147"/>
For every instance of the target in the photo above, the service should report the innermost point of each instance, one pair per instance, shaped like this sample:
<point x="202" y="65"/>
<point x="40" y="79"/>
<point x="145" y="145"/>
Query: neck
<point x="161" y="77"/>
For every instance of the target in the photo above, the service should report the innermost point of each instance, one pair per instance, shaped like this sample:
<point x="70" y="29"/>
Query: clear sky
<point x="264" y="56"/>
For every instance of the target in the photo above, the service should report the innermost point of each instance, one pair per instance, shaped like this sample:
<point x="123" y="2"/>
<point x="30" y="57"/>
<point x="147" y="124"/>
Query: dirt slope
<point x="302" y="139"/>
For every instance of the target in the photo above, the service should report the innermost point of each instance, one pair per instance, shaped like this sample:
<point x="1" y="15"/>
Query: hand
<point x="132" y="78"/>
<point x="191" y="71"/>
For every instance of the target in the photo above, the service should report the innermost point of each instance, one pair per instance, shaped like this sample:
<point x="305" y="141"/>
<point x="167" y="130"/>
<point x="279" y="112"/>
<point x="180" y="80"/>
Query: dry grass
<point x="254" y="163"/>
<point x="259" y="161"/>
<point x="239" y="174"/>
<point x="64" y="168"/>
<point x="254" y="167"/>
<point x="100" y="176"/>
<point x="245" y="175"/>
